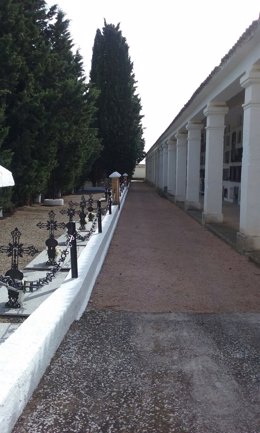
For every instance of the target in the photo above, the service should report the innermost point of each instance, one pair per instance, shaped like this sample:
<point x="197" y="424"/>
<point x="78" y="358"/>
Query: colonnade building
<point x="210" y="153"/>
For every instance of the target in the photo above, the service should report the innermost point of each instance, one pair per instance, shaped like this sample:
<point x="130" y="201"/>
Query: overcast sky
<point x="174" y="45"/>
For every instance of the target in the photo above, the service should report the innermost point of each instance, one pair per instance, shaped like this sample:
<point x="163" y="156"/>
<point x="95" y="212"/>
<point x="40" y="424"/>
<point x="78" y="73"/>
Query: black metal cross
<point x="52" y="225"/>
<point x="71" y="211"/>
<point x="82" y="213"/>
<point x="90" y="203"/>
<point x="15" y="250"/>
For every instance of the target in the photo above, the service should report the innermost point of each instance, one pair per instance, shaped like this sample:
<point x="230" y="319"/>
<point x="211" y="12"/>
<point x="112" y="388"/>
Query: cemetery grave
<point x="46" y="227"/>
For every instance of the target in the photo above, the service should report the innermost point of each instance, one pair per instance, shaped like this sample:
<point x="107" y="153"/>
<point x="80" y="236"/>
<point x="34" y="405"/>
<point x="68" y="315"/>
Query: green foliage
<point x="47" y="107"/>
<point x="20" y="36"/>
<point x="118" y="117"/>
<point x="74" y="106"/>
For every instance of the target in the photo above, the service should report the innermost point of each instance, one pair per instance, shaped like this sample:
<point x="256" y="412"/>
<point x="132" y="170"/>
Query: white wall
<point x="139" y="172"/>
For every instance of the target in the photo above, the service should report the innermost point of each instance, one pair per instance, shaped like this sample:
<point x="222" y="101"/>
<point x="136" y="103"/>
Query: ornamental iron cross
<point x="90" y="203"/>
<point x="82" y="213"/>
<point x="51" y="224"/>
<point x="15" y="250"/>
<point x="71" y="211"/>
<point x="51" y="242"/>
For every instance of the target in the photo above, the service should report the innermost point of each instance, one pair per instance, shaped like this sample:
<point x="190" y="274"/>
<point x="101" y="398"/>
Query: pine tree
<point x="119" y="107"/>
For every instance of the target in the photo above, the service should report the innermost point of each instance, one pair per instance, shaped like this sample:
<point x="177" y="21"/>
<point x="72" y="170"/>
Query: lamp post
<point x="115" y="187"/>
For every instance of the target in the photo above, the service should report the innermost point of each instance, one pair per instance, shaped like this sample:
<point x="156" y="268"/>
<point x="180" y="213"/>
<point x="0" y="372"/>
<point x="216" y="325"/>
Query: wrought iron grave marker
<point x="52" y="225"/>
<point x="15" y="249"/>
<point x="82" y="213"/>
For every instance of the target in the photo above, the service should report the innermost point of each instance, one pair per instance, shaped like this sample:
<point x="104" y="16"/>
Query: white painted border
<point x="27" y="353"/>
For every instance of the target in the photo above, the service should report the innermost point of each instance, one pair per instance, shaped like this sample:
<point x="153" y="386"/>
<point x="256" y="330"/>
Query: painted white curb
<point x="27" y="353"/>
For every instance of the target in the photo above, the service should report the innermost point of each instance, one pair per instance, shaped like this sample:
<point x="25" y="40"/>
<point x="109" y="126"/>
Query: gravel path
<point x="170" y="340"/>
<point x="161" y="260"/>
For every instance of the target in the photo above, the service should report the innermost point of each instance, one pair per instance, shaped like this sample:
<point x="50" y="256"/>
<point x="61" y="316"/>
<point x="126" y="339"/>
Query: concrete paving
<point x="151" y="373"/>
<point x="170" y="340"/>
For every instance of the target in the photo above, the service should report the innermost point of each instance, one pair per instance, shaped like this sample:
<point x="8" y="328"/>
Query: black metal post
<point x="110" y="202"/>
<point x="99" y="216"/>
<point x="73" y="248"/>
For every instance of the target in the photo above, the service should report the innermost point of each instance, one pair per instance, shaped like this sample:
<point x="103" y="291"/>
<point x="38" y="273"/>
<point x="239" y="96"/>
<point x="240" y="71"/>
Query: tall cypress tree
<point x="71" y="110"/>
<point x="47" y="107"/>
<point x="24" y="47"/>
<point x="119" y="107"/>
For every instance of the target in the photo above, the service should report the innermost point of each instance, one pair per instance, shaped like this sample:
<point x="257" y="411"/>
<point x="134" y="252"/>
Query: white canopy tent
<point x="6" y="177"/>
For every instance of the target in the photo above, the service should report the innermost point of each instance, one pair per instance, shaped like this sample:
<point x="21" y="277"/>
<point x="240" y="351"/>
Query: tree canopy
<point x="118" y="118"/>
<point x="47" y="137"/>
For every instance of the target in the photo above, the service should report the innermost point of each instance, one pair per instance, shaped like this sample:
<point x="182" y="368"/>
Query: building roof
<point x="245" y="37"/>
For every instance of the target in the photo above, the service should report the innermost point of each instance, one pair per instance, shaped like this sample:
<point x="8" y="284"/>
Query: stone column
<point x="115" y="176"/>
<point x="215" y="113"/>
<point x="149" y="170"/>
<point x="157" y="167"/>
<point x="125" y="175"/>
<point x="165" y="166"/>
<point x="154" y="167"/>
<point x="181" y="166"/>
<point x="161" y="167"/>
<point x="148" y="164"/>
<point x="171" y="166"/>
<point x="249" y="235"/>
<point x="193" y="165"/>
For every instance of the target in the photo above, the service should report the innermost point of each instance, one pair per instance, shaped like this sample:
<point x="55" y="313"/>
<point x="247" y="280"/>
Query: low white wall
<point x="27" y="353"/>
<point x="140" y="172"/>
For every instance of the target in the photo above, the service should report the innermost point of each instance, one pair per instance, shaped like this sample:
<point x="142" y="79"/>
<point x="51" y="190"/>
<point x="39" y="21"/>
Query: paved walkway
<point x="170" y="341"/>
